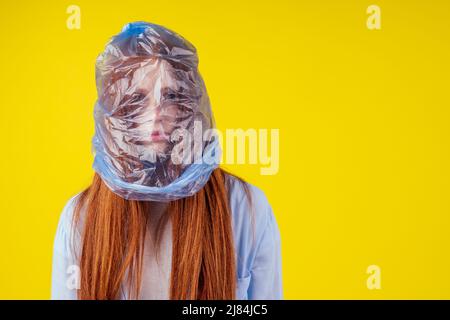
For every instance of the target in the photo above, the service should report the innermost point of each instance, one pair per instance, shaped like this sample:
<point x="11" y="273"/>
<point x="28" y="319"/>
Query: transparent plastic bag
<point x="154" y="129"/>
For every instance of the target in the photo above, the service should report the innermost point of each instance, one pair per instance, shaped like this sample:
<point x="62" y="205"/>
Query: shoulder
<point x="252" y="220"/>
<point x="66" y="235"/>
<point x="66" y="216"/>
<point x="247" y="200"/>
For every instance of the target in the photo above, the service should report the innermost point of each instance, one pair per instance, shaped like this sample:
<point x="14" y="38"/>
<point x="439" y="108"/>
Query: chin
<point x="160" y="148"/>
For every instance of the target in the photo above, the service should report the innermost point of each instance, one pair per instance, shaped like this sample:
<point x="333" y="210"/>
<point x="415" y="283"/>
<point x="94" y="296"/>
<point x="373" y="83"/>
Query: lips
<point x="158" y="136"/>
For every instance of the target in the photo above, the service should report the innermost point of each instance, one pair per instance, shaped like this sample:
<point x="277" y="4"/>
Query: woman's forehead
<point x="157" y="76"/>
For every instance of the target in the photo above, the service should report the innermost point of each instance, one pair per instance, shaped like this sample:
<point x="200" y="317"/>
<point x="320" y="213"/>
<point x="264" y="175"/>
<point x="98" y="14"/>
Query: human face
<point x="156" y="102"/>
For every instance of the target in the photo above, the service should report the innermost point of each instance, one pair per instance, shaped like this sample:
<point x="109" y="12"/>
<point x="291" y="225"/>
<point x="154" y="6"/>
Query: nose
<point x="160" y="121"/>
<point x="157" y="114"/>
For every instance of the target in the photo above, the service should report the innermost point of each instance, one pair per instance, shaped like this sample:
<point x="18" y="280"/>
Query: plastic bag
<point x="154" y="129"/>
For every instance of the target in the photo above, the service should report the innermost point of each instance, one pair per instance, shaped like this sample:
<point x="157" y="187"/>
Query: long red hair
<point x="112" y="242"/>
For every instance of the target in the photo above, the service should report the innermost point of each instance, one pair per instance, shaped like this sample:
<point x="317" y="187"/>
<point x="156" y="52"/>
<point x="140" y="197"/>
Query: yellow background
<point x="363" y="118"/>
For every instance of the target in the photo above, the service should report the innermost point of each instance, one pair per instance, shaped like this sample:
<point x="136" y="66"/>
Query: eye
<point x="171" y="96"/>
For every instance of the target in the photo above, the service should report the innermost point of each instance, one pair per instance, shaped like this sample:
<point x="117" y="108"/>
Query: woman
<point x="161" y="220"/>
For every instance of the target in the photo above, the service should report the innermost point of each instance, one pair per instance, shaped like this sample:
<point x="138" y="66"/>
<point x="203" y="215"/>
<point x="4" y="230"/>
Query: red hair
<point x="203" y="253"/>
